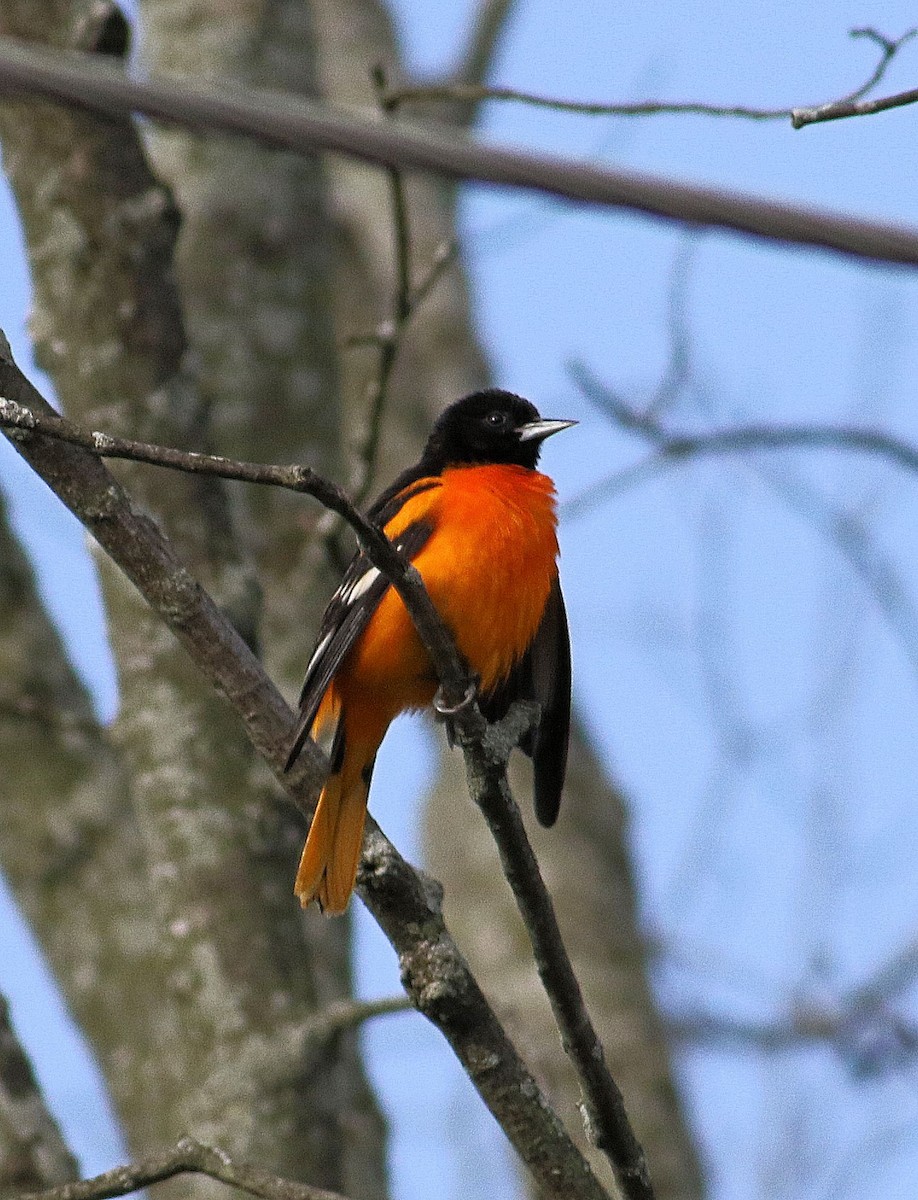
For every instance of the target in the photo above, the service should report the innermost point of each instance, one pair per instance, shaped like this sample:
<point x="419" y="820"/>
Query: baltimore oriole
<point x="478" y="522"/>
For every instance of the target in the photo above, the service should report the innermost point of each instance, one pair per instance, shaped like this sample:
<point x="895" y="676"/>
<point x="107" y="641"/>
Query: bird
<point x="478" y="521"/>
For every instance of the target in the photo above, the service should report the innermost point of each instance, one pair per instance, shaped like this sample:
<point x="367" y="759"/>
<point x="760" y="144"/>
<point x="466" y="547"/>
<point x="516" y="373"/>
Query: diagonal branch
<point x="187" y="1157"/>
<point x="406" y="905"/>
<point x="671" y="447"/>
<point x="849" y="108"/>
<point x="278" y="120"/>
<point x="24" y="420"/>
<point x="488" y="751"/>
<point x="487" y="27"/>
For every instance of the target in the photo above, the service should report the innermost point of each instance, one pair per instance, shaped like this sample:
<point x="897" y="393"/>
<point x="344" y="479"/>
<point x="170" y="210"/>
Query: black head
<point x="488" y="427"/>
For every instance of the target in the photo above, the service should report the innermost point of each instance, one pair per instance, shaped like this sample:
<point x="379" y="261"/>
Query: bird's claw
<point x="451" y="710"/>
<point x="447" y="711"/>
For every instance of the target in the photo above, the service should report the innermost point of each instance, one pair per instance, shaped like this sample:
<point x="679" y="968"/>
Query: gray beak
<point x="538" y="431"/>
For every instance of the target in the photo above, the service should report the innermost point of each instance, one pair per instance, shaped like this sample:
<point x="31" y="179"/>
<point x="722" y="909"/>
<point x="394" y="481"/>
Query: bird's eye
<point x="496" y="419"/>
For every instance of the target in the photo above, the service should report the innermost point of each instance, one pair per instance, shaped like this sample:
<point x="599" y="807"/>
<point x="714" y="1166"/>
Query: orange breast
<point x="488" y="566"/>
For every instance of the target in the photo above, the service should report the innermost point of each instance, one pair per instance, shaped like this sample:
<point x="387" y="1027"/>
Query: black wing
<point x="349" y="612"/>
<point x="544" y="675"/>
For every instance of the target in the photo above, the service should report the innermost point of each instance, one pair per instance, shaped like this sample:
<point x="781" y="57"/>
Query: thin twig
<point x="377" y="547"/>
<point x="863" y="108"/>
<point x="464" y="92"/>
<point x="388" y="336"/>
<point x="389" y="345"/>
<point x="187" y="1157"/>
<point x="678" y="363"/>
<point x="406" y="905"/>
<point x="853" y="105"/>
<point x="477" y="93"/>
<point x="278" y="120"/>
<point x="604" y="1112"/>
<point x="671" y="448"/>
<point x="343" y="1015"/>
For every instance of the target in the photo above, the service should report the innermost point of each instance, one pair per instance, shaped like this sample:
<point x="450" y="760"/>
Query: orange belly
<point x="488" y="567"/>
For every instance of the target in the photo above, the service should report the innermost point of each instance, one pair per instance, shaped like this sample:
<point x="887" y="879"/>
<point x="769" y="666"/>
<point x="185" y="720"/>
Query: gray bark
<point x="214" y="967"/>
<point x="33" y="1154"/>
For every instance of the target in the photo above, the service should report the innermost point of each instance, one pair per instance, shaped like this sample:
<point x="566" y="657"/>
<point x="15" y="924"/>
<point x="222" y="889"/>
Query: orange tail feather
<point x="328" y="866"/>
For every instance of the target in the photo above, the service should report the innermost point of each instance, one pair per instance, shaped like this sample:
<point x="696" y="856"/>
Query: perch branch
<point x="405" y="904"/>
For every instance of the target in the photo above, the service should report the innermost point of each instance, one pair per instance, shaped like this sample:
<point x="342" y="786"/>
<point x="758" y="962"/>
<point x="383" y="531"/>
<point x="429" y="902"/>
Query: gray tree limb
<point x="278" y="121"/>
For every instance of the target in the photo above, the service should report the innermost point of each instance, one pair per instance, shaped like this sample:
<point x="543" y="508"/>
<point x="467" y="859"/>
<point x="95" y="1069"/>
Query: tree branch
<point x="468" y="92"/>
<point x="488" y="751"/>
<point x="453" y="674"/>
<point x="405" y="904"/>
<point x="853" y="105"/>
<point x="187" y="1157"/>
<point x="488" y="24"/>
<point x="390" y="334"/>
<point x="671" y="448"/>
<point x="278" y="120"/>
<point x="342" y="1015"/>
<point x="847" y="108"/>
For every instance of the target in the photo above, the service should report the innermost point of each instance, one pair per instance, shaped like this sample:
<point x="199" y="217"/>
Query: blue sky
<point x="749" y="681"/>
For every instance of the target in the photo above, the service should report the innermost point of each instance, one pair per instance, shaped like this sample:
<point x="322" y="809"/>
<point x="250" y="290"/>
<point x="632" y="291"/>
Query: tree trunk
<point x="200" y="972"/>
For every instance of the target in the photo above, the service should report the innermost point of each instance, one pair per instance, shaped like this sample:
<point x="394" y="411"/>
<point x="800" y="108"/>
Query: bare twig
<point x="678" y="364"/>
<point x="342" y="1015"/>
<point x="604" y="1113"/>
<point x="466" y="92"/>
<point x="387" y="338"/>
<point x="853" y="105"/>
<point x="278" y="120"/>
<point x="390" y="341"/>
<point x="862" y="108"/>
<point x="406" y="905"/>
<point x="187" y="1157"/>
<point x="477" y="93"/>
<point x="454" y="677"/>
<point x="671" y="448"/>
<point x="869" y="1043"/>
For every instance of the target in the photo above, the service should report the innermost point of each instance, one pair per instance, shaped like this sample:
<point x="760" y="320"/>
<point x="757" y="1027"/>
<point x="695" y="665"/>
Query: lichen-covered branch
<point x="187" y="1158"/>
<point x="487" y="755"/>
<point x="406" y="906"/>
<point x="206" y="882"/>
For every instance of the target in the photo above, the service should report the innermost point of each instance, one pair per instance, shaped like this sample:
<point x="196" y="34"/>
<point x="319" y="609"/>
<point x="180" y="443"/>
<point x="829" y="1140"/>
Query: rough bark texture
<point x="214" y="969"/>
<point x="197" y="886"/>
<point x="33" y="1154"/>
